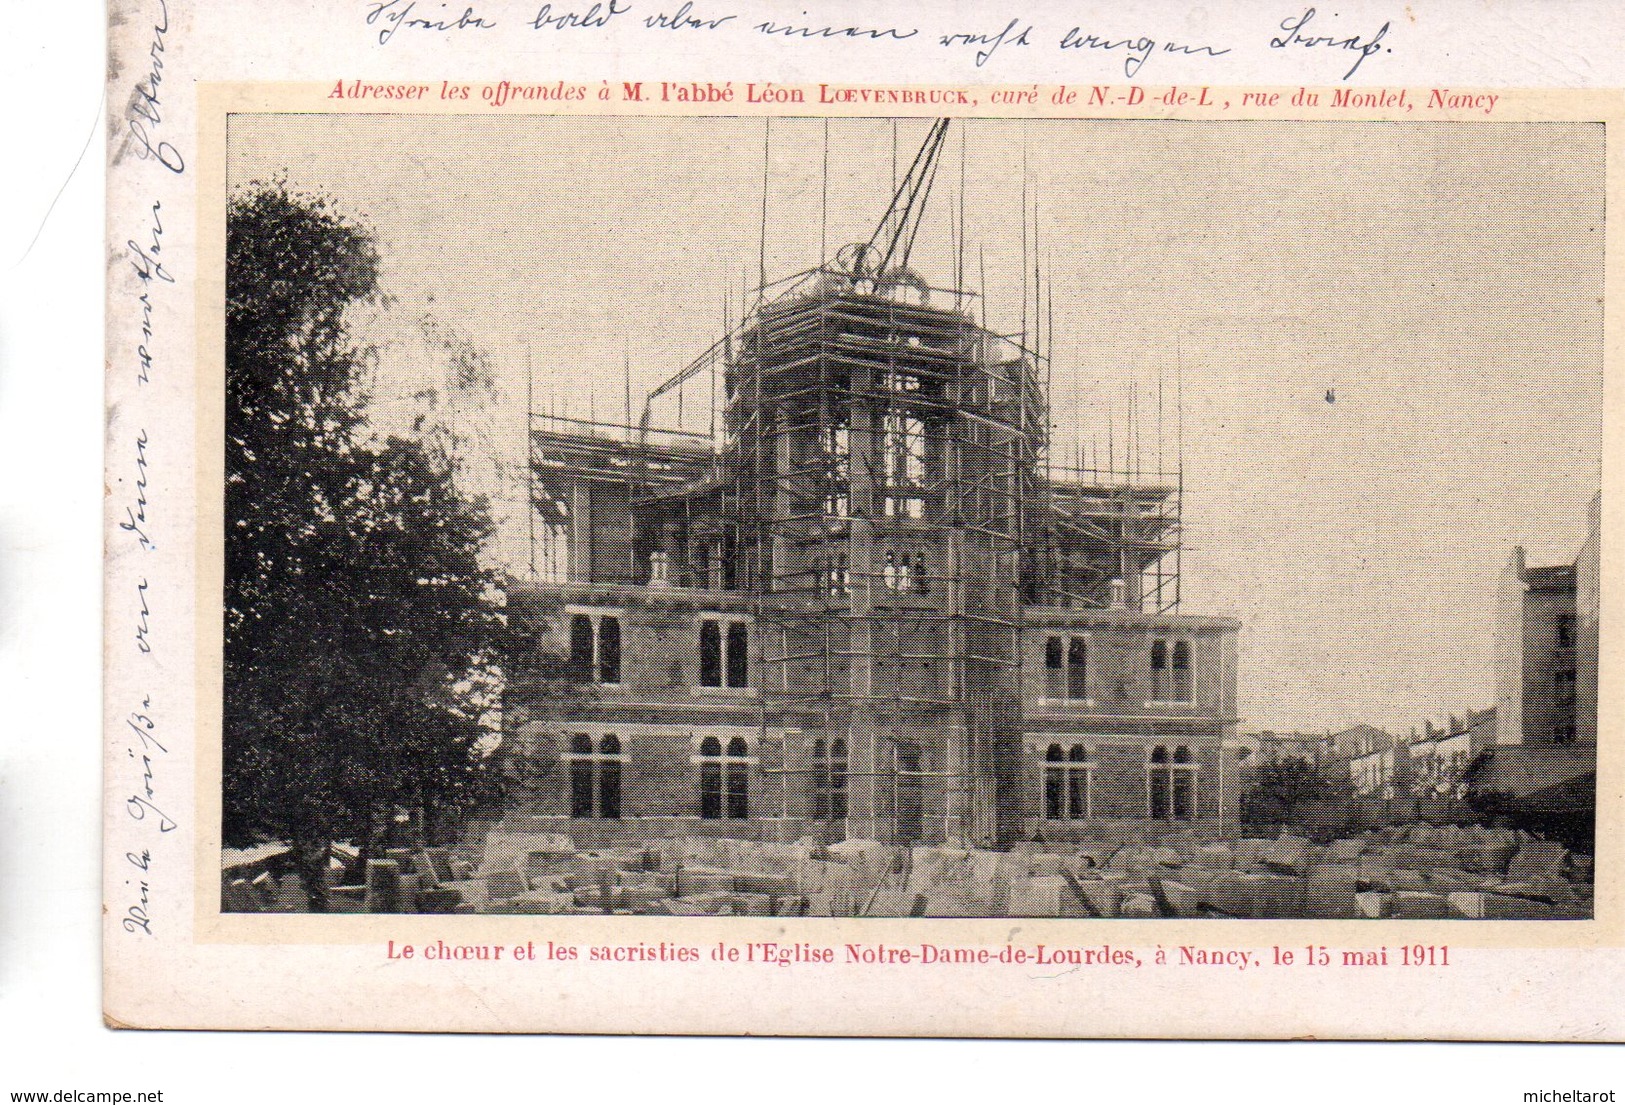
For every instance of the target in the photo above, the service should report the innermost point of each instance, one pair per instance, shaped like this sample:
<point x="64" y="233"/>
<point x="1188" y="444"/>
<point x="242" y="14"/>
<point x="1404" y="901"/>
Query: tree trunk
<point x="310" y="863"/>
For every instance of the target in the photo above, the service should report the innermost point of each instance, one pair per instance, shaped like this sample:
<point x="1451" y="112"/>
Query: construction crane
<point x="886" y="252"/>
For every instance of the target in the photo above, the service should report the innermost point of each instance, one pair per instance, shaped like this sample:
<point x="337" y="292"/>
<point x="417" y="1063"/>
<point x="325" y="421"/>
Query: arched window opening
<point x="829" y="780"/>
<point x="724" y="652"/>
<point x="1077" y="669"/>
<point x="1182" y="671"/>
<point x="711" y="779"/>
<point x="595" y="776"/>
<point x="1067" y="783"/>
<point x="724" y="779"/>
<point x="595" y="648"/>
<point x="1171" y="784"/>
<point x="1159" y="784"/>
<point x="736" y="779"/>
<point x="1159" y="670"/>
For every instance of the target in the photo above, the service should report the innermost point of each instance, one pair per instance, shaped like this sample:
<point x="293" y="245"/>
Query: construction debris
<point x="1407" y="872"/>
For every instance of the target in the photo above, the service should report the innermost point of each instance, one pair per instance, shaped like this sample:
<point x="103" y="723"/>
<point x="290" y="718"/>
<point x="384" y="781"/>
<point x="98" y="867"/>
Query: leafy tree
<point x="1282" y="788"/>
<point x="361" y="630"/>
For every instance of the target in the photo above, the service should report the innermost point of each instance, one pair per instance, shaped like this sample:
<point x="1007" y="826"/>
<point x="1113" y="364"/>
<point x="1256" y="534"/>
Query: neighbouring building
<point x="1374" y="763"/>
<point x="1537" y="629"/>
<point x="870" y="604"/>
<point x="1270" y="747"/>
<point x="1547" y="639"/>
<point x="1356" y="754"/>
<point x="1441" y="756"/>
<point x="1588" y="623"/>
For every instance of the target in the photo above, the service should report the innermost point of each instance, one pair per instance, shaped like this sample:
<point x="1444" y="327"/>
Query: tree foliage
<point x="360" y="628"/>
<point x="1281" y="789"/>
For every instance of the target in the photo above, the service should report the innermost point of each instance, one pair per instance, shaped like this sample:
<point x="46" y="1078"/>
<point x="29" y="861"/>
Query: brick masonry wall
<point x="660" y="715"/>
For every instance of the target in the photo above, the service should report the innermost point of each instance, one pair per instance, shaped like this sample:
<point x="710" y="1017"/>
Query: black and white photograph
<point x="864" y="517"/>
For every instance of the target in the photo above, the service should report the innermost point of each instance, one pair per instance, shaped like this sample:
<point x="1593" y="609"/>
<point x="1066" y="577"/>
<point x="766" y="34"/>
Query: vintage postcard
<point x="1092" y="534"/>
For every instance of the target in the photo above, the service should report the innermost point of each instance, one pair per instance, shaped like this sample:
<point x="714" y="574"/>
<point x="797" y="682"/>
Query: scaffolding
<point x="879" y="484"/>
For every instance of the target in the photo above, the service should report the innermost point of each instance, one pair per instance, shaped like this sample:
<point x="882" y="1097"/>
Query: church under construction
<point x="870" y="604"/>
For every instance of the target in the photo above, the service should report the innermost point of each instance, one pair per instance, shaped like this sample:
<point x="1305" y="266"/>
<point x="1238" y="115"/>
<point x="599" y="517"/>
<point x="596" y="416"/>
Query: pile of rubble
<point x="1413" y="871"/>
<point x="1416" y="871"/>
<point x="403" y="880"/>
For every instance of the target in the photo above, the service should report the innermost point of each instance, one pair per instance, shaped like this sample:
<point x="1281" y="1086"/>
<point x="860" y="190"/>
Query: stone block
<point x="1047" y="864"/>
<point x="1487" y="857"/>
<point x="1406" y="879"/>
<point x="1250" y="894"/>
<point x="435" y="865"/>
<point x="694" y="881"/>
<point x="1480" y="906"/>
<point x="894" y="903"/>
<point x="505" y="849"/>
<point x="1249" y="851"/>
<point x="1105" y="898"/>
<point x="1215" y="855"/>
<point x="471" y="892"/>
<point x="503" y="884"/>
<point x="1183" y="900"/>
<point x="639" y="897"/>
<point x="1374" y="904"/>
<point x="931" y="868"/>
<point x="1133" y="858"/>
<point x="1279" y="896"/>
<point x="1539" y="858"/>
<point x="535" y="902"/>
<point x="1290" y="854"/>
<point x="1418" y="905"/>
<point x="952" y="905"/>
<point x="815" y="875"/>
<point x="702" y="851"/>
<point x="383" y="886"/>
<point x="1329" y="890"/>
<point x="866" y="854"/>
<point x="1453" y="837"/>
<point x="1139" y="906"/>
<point x="763" y="884"/>
<point x="1346" y="850"/>
<point x="1098" y="854"/>
<point x="582" y="869"/>
<point x="1201" y="876"/>
<point x="1041" y="896"/>
<point x="678" y="907"/>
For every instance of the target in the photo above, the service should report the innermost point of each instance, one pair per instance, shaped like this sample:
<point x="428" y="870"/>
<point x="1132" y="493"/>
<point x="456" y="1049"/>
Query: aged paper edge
<point x="237" y="933"/>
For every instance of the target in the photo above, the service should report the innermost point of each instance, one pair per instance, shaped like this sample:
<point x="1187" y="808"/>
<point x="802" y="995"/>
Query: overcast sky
<point x="1443" y="281"/>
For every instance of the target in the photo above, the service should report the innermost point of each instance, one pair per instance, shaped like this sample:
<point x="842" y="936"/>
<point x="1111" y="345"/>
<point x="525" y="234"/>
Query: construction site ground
<point x="1407" y="872"/>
